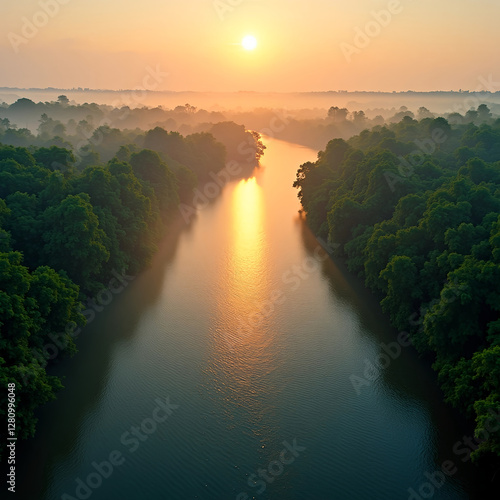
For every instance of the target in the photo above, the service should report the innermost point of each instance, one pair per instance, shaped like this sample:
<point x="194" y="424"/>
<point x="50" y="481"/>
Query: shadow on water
<point x="85" y="376"/>
<point x="408" y="376"/>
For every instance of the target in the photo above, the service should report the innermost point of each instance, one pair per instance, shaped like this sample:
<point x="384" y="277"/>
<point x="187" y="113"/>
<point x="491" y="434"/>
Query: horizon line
<point x="88" y="89"/>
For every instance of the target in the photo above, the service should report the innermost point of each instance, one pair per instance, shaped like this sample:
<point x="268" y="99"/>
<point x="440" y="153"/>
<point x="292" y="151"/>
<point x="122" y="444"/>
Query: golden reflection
<point x="241" y="334"/>
<point x="244" y="348"/>
<point x="246" y="257"/>
<point x="243" y="351"/>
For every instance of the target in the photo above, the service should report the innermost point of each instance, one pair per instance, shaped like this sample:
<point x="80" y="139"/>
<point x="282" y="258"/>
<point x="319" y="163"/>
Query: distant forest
<point x="73" y="228"/>
<point x="414" y="208"/>
<point x="95" y="132"/>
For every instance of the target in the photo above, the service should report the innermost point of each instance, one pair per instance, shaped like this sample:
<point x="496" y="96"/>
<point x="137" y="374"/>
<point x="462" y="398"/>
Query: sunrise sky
<point x="425" y="45"/>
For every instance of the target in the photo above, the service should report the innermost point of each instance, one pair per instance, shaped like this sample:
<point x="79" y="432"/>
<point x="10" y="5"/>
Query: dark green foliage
<point x="420" y="222"/>
<point x="68" y="223"/>
<point x="55" y="158"/>
<point x="73" y="241"/>
<point x="33" y="306"/>
<point x="200" y="153"/>
<point x="64" y="232"/>
<point x="149" y="168"/>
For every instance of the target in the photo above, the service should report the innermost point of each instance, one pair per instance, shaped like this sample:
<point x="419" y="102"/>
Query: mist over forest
<point x="97" y="129"/>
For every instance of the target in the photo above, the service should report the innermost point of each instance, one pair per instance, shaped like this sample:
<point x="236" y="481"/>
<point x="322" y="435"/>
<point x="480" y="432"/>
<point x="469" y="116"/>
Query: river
<point x="231" y="369"/>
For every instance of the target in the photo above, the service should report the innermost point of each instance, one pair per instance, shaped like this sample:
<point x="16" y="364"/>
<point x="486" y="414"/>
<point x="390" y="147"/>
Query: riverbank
<point x="172" y="333"/>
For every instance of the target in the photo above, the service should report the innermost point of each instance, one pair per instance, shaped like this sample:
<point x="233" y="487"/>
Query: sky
<point x="310" y="45"/>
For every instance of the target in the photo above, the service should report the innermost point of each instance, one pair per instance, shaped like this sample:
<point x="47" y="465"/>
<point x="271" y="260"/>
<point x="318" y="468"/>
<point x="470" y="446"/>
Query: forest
<point x="414" y="209"/>
<point x="71" y="222"/>
<point x="97" y="130"/>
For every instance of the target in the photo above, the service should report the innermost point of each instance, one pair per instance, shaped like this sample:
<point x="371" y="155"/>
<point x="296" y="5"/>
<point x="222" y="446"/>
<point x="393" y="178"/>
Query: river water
<point x="255" y="337"/>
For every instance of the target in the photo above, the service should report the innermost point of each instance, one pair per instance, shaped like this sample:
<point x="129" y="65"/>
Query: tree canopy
<point x="67" y="226"/>
<point x="415" y="209"/>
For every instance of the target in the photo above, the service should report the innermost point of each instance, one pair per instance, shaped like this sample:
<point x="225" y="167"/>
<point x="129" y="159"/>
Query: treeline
<point x="96" y="138"/>
<point x="415" y="209"/>
<point x="73" y="118"/>
<point x="66" y="232"/>
<point x="314" y="128"/>
<point x="98" y="130"/>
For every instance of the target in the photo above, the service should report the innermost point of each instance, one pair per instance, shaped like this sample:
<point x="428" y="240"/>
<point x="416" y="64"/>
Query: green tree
<point x="73" y="240"/>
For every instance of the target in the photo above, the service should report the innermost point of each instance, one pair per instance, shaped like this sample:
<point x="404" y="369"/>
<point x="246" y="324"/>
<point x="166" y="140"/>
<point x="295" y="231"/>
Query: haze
<point x="303" y="46"/>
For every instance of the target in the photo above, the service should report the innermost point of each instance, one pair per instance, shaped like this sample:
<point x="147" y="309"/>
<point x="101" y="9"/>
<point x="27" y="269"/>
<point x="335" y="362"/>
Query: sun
<point x="249" y="43"/>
